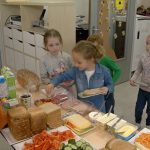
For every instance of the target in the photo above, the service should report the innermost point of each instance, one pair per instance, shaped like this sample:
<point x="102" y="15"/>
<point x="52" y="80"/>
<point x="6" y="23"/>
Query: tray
<point x="19" y="146"/>
<point x="145" y="130"/>
<point x="8" y="136"/>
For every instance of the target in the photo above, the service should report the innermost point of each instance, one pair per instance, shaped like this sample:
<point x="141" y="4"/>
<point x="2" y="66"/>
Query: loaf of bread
<point x="37" y="120"/>
<point x="53" y="114"/>
<point x="117" y="144"/>
<point x="19" y="122"/>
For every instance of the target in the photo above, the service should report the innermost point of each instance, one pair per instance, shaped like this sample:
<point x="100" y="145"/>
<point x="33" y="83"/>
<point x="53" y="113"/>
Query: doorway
<point x="120" y="30"/>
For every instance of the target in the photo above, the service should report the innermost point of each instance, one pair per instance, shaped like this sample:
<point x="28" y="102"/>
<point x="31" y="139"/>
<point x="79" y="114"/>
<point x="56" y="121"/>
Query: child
<point x="144" y="90"/>
<point x="87" y="73"/>
<point x="111" y="65"/>
<point x="55" y="61"/>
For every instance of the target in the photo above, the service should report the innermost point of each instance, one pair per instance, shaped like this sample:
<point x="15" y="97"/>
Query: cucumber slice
<point x="67" y="148"/>
<point x="88" y="148"/>
<point x="79" y="143"/>
<point x="83" y="146"/>
<point x="72" y="141"/>
<point x="83" y="141"/>
<point x="62" y="146"/>
<point x="74" y="147"/>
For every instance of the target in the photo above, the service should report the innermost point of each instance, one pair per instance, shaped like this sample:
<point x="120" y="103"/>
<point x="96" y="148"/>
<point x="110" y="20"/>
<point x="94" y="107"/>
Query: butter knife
<point x="109" y="110"/>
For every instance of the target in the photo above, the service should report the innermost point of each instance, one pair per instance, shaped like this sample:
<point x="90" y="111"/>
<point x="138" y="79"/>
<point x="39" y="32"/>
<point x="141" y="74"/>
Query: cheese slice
<point x="78" y="122"/>
<point x="127" y="130"/>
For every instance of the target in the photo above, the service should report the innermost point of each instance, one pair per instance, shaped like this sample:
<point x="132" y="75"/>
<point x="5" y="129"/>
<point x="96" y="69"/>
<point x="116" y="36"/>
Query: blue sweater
<point x="100" y="78"/>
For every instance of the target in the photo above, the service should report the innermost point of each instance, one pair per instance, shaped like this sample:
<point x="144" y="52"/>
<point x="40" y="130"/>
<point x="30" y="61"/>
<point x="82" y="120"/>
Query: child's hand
<point x="104" y="90"/>
<point x="132" y="83"/>
<point x="49" y="88"/>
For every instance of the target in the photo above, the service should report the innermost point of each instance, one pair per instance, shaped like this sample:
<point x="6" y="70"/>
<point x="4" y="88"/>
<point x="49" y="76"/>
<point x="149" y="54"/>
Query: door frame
<point x="124" y="63"/>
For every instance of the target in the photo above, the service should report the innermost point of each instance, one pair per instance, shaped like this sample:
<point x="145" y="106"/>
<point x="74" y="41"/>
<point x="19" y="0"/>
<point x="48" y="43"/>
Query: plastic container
<point x="3" y="87"/>
<point x="129" y="136"/>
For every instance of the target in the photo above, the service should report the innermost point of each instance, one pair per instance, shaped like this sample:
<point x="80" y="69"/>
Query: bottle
<point x="3" y="87"/>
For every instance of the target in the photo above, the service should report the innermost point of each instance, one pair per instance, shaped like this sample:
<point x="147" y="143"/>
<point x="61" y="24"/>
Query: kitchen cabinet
<point x="23" y="45"/>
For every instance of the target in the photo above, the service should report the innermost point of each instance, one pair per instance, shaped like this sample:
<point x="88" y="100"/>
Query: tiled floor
<point x="125" y="97"/>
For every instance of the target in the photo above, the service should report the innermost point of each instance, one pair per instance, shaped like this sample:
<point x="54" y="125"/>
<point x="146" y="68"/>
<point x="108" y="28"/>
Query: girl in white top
<point x="55" y="61"/>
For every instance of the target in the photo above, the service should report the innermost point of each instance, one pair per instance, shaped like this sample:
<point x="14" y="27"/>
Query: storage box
<point x="129" y="131"/>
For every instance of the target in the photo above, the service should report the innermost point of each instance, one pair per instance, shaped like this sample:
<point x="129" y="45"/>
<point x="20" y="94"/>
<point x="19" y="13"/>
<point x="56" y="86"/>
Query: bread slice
<point x="117" y="144"/>
<point x="90" y="92"/>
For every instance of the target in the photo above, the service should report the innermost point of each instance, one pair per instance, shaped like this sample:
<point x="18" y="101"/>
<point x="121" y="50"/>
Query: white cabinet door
<point x="28" y="37"/>
<point x="19" y="60"/>
<point x="29" y="49"/>
<point x="40" y="52"/>
<point x="39" y="40"/>
<point x="8" y="31"/>
<point x="38" y="67"/>
<point x="30" y="63"/>
<point x="17" y="34"/>
<point x="18" y="45"/>
<point x="10" y="57"/>
<point x="8" y="41"/>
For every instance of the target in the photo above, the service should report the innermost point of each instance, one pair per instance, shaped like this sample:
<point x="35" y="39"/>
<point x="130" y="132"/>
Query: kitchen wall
<point x="82" y="8"/>
<point x="146" y="3"/>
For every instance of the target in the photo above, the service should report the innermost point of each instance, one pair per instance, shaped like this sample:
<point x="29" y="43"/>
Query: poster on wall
<point x="119" y="4"/>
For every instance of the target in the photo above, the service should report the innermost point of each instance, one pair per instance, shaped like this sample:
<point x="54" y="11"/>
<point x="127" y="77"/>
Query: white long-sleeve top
<point x="144" y="69"/>
<point x="51" y="66"/>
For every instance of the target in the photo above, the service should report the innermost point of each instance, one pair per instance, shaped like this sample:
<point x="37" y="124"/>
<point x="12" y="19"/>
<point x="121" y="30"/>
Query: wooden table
<point x="97" y="137"/>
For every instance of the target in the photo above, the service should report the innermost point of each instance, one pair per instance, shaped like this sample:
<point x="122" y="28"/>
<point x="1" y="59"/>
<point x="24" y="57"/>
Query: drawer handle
<point x="9" y="27"/>
<point x="10" y="38"/>
<point x="32" y="45"/>
<point x="20" y="41"/>
<point x="19" y="30"/>
<point x="138" y="35"/>
<point x="31" y="33"/>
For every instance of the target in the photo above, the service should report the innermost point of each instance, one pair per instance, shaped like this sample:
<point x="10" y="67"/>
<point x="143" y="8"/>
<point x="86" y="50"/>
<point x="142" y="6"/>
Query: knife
<point x="109" y="110"/>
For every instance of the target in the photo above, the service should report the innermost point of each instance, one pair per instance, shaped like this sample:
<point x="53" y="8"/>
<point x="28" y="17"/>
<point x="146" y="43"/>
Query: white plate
<point x="82" y="96"/>
<point x="19" y="146"/>
<point x="145" y="130"/>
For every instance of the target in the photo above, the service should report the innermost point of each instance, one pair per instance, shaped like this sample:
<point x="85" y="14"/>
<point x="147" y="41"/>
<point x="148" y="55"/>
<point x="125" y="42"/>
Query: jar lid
<point x="2" y="79"/>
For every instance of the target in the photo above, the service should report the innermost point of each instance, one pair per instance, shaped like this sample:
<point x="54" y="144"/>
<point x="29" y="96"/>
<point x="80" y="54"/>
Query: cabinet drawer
<point x="30" y="63"/>
<point x="10" y="58"/>
<point x="29" y="49"/>
<point x="19" y="60"/>
<point x="8" y="31"/>
<point x="39" y="40"/>
<point x="8" y="41"/>
<point x="28" y="37"/>
<point x="18" y="45"/>
<point x="40" y="52"/>
<point x="17" y="34"/>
